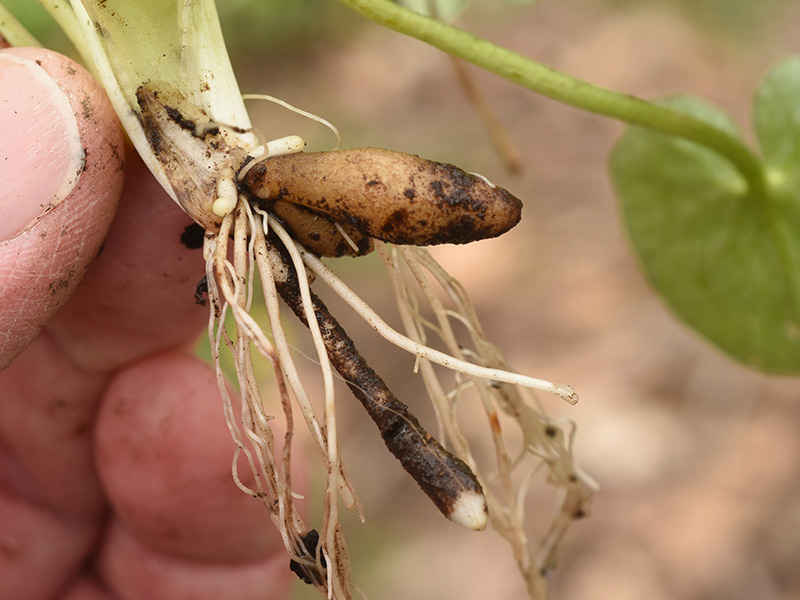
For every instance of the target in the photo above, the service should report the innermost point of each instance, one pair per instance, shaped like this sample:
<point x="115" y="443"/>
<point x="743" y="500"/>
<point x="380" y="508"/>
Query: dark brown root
<point x="444" y="477"/>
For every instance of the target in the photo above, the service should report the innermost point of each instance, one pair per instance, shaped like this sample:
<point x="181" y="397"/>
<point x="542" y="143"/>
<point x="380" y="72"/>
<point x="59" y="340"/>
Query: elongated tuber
<point x="390" y="196"/>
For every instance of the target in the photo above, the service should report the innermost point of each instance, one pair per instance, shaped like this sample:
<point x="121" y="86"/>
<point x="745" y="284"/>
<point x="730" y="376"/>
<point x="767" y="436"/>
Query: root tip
<point x="470" y="511"/>
<point x="567" y="393"/>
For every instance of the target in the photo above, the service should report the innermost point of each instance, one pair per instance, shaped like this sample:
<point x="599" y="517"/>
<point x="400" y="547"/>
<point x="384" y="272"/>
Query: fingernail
<point x="41" y="156"/>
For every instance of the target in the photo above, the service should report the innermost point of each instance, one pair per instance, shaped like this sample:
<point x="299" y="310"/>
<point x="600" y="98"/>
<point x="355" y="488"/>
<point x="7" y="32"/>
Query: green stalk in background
<point x="561" y="87"/>
<point x="13" y="31"/>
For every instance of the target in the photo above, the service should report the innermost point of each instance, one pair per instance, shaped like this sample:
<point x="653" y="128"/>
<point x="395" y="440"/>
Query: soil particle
<point x="308" y="573"/>
<point x="192" y="237"/>
<point x="200" y="291"/>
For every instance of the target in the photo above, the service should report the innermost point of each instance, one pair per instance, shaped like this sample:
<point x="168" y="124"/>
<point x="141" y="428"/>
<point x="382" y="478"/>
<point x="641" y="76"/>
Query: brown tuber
<point x="390" y="196"/>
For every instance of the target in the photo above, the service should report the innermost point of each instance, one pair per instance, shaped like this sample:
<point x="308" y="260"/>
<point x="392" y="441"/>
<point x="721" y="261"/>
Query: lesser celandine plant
<point x="715" y="225"/>
<point x="268" y="206"/>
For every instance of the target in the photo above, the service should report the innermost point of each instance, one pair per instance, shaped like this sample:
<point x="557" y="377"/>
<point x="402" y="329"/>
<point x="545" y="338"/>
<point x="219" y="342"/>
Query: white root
<point x="546" y="439"/>
<point x="543" y="438"/>
<point x="230" y="291"/>
<point x="299" y="111"/>
<point x="331" y="516"/>
<point x="265" y="266"/>
<point x="227" y="194"/>
<point x="378" y="324"/>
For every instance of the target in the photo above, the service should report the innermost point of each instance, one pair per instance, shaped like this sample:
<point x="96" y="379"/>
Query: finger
<point x="46" y="415"/>
<point x="85" y="589"/>
<point x="48" y="401"/>
<point x="136" y="572"/>
<point x="139" y="296"/>
<point x="39" y="549"/>
<point x="164" y="456"/>
<point x="60" y="180"/>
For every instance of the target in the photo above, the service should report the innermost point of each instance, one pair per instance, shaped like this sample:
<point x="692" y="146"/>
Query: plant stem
<point x="13" y="31"/>
<point x="561" y="87"/>
<point x="63" y="14"/>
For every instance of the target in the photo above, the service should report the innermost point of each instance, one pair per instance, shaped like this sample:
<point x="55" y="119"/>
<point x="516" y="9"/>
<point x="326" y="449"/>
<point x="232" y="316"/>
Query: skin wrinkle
<point x="10" y="321"/>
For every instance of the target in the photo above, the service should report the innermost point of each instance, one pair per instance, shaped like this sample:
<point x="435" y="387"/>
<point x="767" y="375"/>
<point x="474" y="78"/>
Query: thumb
<point x="61" y="174"/>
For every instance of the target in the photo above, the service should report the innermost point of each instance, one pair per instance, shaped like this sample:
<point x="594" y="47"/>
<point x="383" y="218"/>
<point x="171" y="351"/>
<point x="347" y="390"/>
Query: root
<point x="545" y="439"/>
<point x="456" y="480"/>
<point x="409" y="345"/>
<point x="449" y="482"/>
<point x="230" y="289"/>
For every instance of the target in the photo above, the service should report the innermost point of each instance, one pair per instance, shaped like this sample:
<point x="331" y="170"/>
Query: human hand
<point x="114" y="454"/>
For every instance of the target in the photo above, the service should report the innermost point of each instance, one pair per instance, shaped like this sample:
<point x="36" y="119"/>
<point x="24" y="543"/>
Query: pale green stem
<point x="13" y="31"/>
<point x="558" y="86"/>
<point x="64" y="15"/>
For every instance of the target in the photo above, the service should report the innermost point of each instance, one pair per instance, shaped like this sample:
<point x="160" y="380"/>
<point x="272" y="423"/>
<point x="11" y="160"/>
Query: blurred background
<point x="698" y="459"/>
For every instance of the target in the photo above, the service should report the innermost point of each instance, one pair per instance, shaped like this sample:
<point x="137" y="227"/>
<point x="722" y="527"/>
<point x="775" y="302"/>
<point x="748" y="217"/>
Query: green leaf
<point x="725" y="260"/>
<point x="777" y="116"/>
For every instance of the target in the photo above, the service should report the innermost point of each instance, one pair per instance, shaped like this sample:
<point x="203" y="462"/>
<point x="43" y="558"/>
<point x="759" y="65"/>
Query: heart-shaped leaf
<point x="725" y="259"/>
